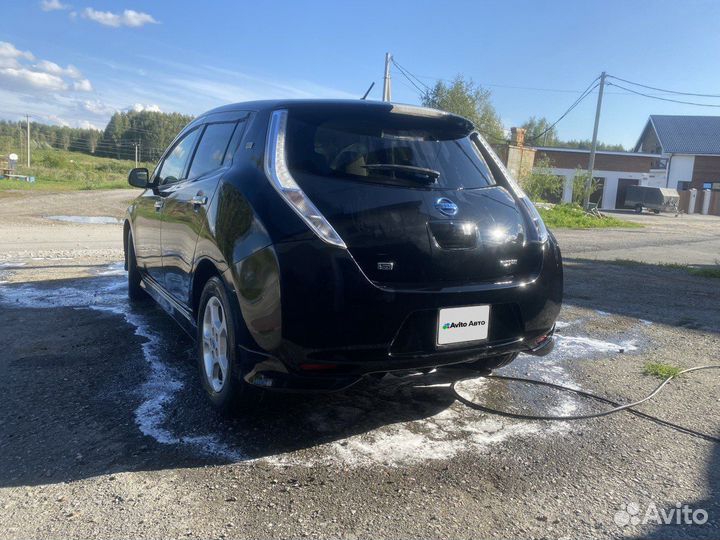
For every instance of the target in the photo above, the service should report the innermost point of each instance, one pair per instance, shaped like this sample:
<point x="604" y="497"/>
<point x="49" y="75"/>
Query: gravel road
<point x="104" y="432"/>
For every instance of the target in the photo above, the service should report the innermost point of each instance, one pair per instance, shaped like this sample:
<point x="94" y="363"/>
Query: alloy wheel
<point x="215" y="344"/>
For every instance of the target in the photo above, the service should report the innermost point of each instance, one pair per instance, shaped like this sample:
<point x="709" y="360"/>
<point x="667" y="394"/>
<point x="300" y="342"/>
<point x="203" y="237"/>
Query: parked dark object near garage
<point x="310" y="243"/>
<point x="653" y="198"/>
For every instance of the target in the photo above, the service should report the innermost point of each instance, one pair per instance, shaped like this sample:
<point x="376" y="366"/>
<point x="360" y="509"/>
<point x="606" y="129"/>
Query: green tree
<point x="112" y="137"/>
<point x="539" y="133"/>
<point x="90" y="140"/>
<point x="581" y="176"/>
<point x="465" y="98"/>
<point x="151" y="129"/>
<point x="541" y="184"/>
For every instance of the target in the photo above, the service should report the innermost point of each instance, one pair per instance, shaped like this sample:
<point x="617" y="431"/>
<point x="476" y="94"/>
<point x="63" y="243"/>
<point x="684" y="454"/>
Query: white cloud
<point x="129" y="17"/>
<point x="96" y="107"/>
<point x="25" y="79"/>
<point x="54" y="69"/>
<point x="8" y="62"/>
<point x="41" y="78"/>
<point x="139" y="107"/>
<point x="10" y="56"/>
<point x="82" y="85"/>
<point x="53" y="5"/>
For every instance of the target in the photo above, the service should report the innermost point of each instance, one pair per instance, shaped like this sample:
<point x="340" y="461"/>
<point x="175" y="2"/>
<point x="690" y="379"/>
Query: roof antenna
<point x="368" y="90"/>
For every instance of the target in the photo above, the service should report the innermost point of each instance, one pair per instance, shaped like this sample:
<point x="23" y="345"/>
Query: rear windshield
<point x="387" y="149"/>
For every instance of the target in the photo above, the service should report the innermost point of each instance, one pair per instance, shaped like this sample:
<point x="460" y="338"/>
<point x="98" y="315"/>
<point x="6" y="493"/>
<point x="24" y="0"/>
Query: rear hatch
<point x="410" y="195"/>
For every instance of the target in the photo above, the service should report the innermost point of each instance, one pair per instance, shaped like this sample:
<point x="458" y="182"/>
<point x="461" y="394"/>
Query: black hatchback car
<point x="307" y="244"/>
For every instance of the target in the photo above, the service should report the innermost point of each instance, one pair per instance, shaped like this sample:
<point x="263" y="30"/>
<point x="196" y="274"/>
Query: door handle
<point x="199" y="200"/>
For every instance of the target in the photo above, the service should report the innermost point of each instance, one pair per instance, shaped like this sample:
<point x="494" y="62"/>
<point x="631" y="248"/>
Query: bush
<point x="541" y="184"/>
<point x="51" y="160"/>
<point x="581" y="177"/>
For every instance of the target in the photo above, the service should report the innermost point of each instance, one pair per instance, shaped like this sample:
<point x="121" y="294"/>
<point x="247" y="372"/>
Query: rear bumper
<point x="277" y="377"/>
<point x="336" y="326"/>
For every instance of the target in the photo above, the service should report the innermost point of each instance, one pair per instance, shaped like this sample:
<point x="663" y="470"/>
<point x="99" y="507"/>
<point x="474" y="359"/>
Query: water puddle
<point x="164" y="382"/>
<point x="87" y="220"/>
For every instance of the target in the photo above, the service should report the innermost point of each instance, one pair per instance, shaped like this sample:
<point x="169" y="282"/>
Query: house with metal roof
<point x="691" y="145"/>
<point x="680" y="152"/>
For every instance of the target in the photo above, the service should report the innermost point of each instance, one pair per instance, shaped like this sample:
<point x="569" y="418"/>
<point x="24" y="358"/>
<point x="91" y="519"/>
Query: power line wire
<point x="407" y="72"/>
<point x="665" y="90"/>
<point x="408" y="77"/>
<point x="715" y="105"/>
<point x="494" y="85"/>
<point x="593" y="85"/>
<point x="406" y="85"/>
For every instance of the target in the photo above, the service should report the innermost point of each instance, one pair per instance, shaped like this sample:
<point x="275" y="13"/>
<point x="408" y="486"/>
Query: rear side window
<point x="386" y="149"/>
<point x="173" y="167"/>
<point x="211" y="149"/>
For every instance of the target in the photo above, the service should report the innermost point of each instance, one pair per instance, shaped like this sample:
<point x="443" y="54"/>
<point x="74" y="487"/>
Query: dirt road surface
<point x="104" y="432"/>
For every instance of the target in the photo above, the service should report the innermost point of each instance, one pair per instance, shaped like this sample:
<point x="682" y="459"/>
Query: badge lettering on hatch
<point x="385" y="265"/>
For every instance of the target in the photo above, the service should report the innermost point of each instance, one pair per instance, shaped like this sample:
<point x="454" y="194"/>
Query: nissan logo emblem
<point x="446" y="206"/>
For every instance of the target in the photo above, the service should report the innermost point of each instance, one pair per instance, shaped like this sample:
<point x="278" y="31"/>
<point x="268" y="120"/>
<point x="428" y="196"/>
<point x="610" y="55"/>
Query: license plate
<point x="462" y="324"/>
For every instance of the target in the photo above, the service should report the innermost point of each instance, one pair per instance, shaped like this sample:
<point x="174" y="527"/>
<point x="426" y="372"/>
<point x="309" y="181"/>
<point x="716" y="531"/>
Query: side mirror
<point x="139" y="177"/>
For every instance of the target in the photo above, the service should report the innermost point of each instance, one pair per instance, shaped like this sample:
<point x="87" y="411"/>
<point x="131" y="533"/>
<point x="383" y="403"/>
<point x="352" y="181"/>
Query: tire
<point x="489" y="364"/>
<point x="135" y="291"/>
<point x="656" y="211"/>
<point x="638" y="208"/>
<point x="217" y="354"/>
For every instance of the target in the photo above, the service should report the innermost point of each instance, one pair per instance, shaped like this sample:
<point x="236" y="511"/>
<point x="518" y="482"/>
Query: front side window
<point x="211" y="149"/>
<point x="173" y="167"/>
<point x="387" y="149"/>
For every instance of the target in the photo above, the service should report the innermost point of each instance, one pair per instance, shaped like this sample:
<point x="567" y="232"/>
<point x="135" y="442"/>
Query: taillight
<point x="520" y="194"/>
<point x="278" y="173"/>
<point x="540" y="227"/>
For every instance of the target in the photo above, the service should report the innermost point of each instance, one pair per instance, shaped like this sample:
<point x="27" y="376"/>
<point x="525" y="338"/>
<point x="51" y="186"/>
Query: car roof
<point x="370" y="106"/>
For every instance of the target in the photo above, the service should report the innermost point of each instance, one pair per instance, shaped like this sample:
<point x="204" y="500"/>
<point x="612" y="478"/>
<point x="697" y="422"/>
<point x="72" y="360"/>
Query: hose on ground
<point x="617" y="407"/>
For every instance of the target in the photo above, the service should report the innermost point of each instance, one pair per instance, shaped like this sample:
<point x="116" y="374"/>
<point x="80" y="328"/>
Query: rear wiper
<point x="430" y="174"/>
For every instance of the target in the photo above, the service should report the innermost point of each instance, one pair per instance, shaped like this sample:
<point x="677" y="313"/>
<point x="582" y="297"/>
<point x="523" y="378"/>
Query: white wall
<point x="655" y="180"/>
<point x="611" y="183"/>
<point x="681" y="170"/>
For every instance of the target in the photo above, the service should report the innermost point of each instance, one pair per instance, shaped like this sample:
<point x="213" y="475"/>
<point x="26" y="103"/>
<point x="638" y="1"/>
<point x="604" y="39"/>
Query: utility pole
<point x="387" y="89"/>
<point x="591" y="165"/>
<point x="136" y="144"/>
<point x="27" y="117"/>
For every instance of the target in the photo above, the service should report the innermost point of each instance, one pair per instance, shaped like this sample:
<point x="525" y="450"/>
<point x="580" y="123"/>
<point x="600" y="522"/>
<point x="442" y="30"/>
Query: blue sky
<point x="535" y="57"/>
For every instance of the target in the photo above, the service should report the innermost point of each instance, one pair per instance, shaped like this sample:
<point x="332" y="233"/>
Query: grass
<point x="61" y="170"/>
<point x="570" y="216"/>
<point x="703" y="271"/>
<point x="661" y="370"/>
